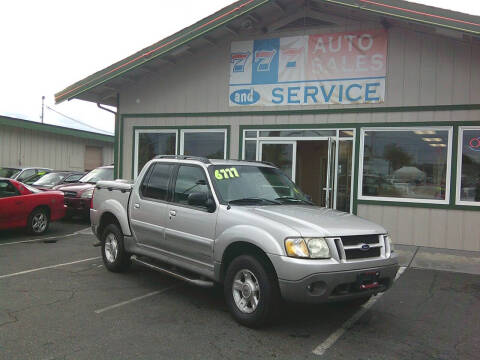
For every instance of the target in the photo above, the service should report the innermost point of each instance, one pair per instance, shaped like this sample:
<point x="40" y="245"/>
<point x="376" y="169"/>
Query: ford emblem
<point x="365" y="247"/>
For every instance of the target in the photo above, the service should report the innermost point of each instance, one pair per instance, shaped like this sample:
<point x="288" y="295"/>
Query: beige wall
<point x="24" y="147"/>
<point x="422" y="69"/>
<point x="451" y="229"/>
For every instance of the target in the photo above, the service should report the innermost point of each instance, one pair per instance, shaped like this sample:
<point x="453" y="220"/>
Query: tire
<point x="254" y="302"/>
<point x="115" y="258"/>
<point x="38" y="222"/>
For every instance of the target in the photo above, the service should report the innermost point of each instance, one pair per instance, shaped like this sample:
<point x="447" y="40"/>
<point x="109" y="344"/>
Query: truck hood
<point x="317" y="221"/>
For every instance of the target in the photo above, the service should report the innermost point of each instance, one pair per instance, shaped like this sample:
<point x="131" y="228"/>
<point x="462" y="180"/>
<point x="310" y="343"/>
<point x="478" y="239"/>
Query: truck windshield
<point x="248" y="184"/>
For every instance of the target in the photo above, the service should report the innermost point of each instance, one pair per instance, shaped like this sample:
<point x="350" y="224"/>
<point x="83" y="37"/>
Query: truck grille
<point x="360" y="247"/>
<point x="70" y="194"/>
<point x="360" y="239"/>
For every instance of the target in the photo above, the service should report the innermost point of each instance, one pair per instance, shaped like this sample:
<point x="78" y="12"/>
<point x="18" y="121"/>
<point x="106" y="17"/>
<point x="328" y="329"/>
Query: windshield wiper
<point x="250" y="199"/>
<point x="294" y="199"/>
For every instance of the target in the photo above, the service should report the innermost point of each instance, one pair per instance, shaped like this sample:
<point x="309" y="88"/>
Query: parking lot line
<point x="332" y="339"/>
<point x="126" y="302"/>
<point x="47" y="267"/>
<point x="46" y="238"/>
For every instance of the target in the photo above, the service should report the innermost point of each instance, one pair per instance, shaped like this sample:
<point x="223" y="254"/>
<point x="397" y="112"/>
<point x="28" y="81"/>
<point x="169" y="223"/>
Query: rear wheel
<point x="114" y="256"/>
<point x="38" y="222"/>
<point x="251" y="292"/>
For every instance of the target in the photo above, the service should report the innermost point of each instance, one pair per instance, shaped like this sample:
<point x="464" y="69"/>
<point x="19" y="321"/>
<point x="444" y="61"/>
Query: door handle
<point x="172" y="213"/>
<point x="136" y="206"/>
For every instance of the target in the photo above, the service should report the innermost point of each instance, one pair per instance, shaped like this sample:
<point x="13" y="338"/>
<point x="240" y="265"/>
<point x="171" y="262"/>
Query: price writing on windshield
<point x="227" y="173"/>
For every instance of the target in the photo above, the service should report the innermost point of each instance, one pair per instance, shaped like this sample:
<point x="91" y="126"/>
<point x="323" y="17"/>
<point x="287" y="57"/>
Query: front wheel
<point x="251" y="292"/>
<point x="115" y="258"/>
<point x="38" y="222"/>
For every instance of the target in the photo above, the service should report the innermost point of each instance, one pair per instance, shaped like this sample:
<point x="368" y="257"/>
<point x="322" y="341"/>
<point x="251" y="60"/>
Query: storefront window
<point x="151" y="144"/>
<point x="468" y="192"/>
<point x="406" y="165"/>
<point x="209" y="144"/>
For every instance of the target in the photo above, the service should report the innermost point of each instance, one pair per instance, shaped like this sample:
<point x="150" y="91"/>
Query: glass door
<point x="321" y="167"/>
<point x="280" y="153"/>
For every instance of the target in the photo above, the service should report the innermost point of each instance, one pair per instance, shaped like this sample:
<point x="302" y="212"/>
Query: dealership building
<point x="371" y="107"/>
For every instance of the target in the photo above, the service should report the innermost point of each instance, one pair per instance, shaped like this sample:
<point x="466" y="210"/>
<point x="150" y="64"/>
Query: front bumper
<point x="336" y="286"/>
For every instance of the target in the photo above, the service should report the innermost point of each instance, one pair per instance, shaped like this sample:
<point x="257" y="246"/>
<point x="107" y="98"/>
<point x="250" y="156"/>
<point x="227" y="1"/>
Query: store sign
<point x="341" y="68"/>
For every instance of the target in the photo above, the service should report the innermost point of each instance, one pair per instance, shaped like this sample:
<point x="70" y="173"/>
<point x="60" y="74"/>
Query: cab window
<point x="190" y="179"/>
<point x="7" y="189"/>
<point x="155" y="184"/>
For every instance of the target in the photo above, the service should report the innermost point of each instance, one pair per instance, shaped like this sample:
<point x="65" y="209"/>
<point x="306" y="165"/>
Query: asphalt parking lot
<point x="57" y="301"/>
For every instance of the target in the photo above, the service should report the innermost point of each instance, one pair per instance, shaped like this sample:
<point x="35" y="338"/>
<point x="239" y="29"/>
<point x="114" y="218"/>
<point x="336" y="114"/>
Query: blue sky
<point x="56" y="43"/>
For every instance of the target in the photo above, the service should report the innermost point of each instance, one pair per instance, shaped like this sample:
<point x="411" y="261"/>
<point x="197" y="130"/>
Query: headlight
<point x="296" y="248"/>
<point x="315" y="248"/>
<point x="388" y="244"/>
<point x="87" y="194"/>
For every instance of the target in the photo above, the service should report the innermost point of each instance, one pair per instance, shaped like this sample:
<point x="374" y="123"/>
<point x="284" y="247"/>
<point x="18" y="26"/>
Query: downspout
<point x="115" y="143"/>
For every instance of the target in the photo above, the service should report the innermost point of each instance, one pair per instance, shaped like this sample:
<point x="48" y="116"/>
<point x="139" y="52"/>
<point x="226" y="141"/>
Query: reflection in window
<point x="206" y="144"/>
<point x="470" y="162"/>
<point x="281" y="155"/>
<point x="344" y="175"/>
<point x="157" y="187"/>
<point x="190" y="179"/>
<point x="250" y="150"/>
<point x="405" y="164"/>
<point x="153" y="144"/>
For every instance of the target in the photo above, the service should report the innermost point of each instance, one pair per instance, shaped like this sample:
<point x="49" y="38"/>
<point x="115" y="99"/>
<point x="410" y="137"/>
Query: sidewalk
<point x="439" y="259"/>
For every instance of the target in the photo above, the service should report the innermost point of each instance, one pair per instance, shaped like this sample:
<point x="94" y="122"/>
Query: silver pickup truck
<point x="242" y="224"/>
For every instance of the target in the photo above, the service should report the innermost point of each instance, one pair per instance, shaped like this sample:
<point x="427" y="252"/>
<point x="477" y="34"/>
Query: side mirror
<point x="201" y="199"/>
<point x="197" y="199"/>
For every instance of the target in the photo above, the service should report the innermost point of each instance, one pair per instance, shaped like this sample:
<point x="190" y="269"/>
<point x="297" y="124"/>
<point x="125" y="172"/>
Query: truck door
<point x="190" y="229"/>
<point x="148" y="206"/>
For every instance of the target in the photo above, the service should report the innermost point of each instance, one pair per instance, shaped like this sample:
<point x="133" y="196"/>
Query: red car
<point x="24" y="206"/>
<point x="78" y="196"/>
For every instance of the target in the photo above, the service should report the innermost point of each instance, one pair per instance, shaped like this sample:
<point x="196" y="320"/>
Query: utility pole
<point x="43" y="106"/>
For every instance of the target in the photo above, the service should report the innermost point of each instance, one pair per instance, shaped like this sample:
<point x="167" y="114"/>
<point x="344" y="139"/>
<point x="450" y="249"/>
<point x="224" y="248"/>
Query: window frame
<point x="458" y="184"/>
<point x="136" y="144"/>
<point x="216" y="130"/>
<point x="446" y="201"/>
